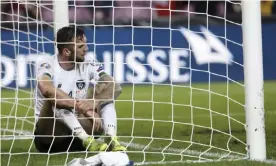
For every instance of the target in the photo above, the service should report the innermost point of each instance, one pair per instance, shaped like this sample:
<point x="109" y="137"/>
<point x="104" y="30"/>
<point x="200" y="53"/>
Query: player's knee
<point x="118" y="90"/>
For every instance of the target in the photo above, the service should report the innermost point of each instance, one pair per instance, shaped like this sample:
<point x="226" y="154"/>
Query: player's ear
<point x="66" y="51"/>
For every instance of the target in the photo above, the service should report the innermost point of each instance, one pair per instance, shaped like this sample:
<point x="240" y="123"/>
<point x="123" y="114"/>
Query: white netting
<point x="183" y="94"/>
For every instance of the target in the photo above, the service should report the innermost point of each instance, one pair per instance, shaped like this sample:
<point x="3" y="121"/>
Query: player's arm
<point x="44" y="77"/>
<point x="60" y="99"/>
<point x="106" y="86"/>
<point x="106" y="89"/>
<point x="55" y="95"/>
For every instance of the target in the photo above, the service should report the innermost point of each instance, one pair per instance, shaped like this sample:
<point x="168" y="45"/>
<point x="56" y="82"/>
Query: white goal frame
<point x="253" y="77"/>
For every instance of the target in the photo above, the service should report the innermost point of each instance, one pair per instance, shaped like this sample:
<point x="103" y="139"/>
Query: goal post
<point x="60" y="10"/>
<point x="253" y="75"/>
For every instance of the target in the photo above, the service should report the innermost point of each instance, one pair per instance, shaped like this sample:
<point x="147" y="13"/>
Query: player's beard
<point x="79" y="58"/>
<point x="75" y="58"/>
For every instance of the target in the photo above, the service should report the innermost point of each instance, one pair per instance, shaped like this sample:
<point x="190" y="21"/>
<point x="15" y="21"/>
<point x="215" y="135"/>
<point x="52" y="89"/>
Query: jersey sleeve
<point x="44" y="66"/>
<point x="95" y="68"/>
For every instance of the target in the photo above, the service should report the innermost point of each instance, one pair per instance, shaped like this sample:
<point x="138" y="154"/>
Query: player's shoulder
<point x="46" y="58"/>
<point x="45" y="65"/>
<point x="93" y="63"/>
<point x="45" y="62"/>
<point x="90" y="58"/>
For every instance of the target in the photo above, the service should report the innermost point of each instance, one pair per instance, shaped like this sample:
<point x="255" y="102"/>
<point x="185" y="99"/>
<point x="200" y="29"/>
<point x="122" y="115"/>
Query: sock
<point x="109" y="119"/>
<point x="69" y="119"/>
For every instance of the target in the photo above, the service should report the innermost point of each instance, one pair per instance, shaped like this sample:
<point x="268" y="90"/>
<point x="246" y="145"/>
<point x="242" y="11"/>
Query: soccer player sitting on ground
<point x="67" y="119"/>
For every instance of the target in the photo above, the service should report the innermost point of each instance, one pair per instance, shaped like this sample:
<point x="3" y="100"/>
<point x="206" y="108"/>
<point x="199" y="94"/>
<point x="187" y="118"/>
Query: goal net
<point x="180" y="64"/>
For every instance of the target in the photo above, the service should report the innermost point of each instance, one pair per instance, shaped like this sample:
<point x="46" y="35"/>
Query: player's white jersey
<point x="74" y="82"/>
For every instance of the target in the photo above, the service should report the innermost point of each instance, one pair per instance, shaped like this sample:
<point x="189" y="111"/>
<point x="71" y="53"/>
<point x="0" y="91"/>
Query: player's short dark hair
<point x="66" y="35"/>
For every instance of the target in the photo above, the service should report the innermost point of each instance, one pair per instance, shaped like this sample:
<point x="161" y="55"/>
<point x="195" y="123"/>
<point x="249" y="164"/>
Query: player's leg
<point x="87" y="124"/>
<point x="61" y="139"/>
<point x="51" y="135"/>
<point x="91" y="143"/>
<point x="109" y="119"/>
<point x="106" y="90"/>
<point x="71" y="121"/>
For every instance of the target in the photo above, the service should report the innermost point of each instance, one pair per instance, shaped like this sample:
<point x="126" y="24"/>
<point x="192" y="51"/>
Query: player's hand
<point x="86" y="107"/>
<point x="97" y="122"/>
<point x="82" y="106"/>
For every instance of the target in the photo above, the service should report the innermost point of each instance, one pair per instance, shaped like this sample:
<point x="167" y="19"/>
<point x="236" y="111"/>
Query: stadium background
<point x="163" y="36"/>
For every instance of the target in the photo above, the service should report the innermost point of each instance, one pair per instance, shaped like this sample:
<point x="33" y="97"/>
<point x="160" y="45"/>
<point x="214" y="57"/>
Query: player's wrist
<point x="96" y="103"/>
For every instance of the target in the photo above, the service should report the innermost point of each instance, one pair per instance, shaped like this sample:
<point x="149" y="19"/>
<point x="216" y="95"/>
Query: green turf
<point x="161" y="123"/>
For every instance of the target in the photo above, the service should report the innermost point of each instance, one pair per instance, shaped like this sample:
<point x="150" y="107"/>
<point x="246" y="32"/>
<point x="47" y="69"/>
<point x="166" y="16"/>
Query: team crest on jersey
<point x="81" y="91"/>
<point x="80" y="84"/>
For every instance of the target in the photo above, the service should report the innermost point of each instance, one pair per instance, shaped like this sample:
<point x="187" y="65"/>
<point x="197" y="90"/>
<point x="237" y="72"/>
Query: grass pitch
<point x="204" y="122"/>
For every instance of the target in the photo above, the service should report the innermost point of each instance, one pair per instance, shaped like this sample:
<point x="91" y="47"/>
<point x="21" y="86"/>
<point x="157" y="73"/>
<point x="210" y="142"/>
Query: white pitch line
<point x="141" y="146"/>
<point x="174" y="150"/>
<point x="175" y="162"/>
<point x="270" y="161"/>
<point x="158" y="162"/>
<point x="198" y="161"/>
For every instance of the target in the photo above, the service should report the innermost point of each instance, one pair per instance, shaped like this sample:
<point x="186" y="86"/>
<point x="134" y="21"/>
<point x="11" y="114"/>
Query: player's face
<point x="80" y="49"/>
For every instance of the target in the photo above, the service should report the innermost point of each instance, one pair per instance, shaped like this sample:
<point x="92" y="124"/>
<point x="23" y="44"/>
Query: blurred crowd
<point x="88" y="11"/>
